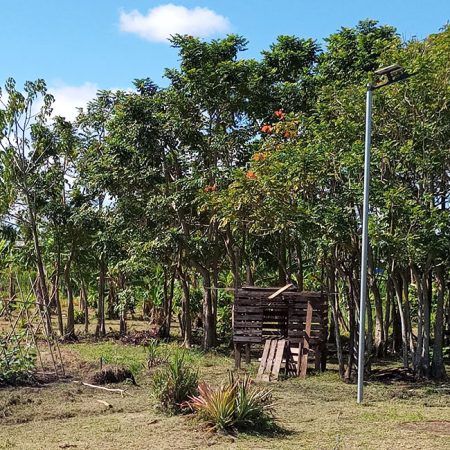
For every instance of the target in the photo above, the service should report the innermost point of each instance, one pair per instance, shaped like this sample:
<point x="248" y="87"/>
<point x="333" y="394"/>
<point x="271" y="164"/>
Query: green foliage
<point x="238" y="404"/>
<point x="79" y="316"/>
<point x="17" y="363"/>
<point x="173" y="384"/>
<point x="114" y="354"/>
<point x="156" y="353"/>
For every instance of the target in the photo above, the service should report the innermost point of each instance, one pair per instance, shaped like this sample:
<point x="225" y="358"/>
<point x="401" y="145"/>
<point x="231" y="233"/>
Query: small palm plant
<point x="174" y="384"/>
<point x="238" y="404"/>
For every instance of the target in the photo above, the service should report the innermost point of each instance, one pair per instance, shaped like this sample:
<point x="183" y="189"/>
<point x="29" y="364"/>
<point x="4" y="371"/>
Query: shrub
<point x="174" y="384"/>
<point x="238" y="404"/>
<point x="17" y="364"/>
<point x="79" y="316"/>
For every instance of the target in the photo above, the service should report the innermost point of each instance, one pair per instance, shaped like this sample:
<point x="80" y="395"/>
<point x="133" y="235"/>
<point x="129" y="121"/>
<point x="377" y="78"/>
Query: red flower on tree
<point x="280" y="114"/>
<point x="251" y="175"/>
<point x="266" y="128"/>
<point x="210" y="188"/>
<point x="260" y="156"/>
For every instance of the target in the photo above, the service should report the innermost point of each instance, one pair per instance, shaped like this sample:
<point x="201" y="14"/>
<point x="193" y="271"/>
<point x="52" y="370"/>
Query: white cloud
<point x="166" y="20"/>
<point x="69" y="98"/>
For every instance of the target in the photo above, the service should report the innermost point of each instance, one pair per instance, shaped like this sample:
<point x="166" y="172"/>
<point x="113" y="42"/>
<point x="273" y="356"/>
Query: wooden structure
<point x="292" y="325"/>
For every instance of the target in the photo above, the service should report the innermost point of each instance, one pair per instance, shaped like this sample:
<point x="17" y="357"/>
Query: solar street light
<point x="383" y="77"/>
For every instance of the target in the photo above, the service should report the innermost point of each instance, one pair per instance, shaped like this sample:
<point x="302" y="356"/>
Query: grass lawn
<point x="317" y="413"/>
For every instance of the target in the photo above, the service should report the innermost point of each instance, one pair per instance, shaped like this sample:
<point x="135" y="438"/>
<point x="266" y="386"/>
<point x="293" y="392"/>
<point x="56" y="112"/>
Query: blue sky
<point x="78" y="46"/>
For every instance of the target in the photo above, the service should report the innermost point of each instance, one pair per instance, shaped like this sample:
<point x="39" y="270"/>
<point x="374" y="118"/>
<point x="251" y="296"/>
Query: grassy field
<point x="317" y="413"/>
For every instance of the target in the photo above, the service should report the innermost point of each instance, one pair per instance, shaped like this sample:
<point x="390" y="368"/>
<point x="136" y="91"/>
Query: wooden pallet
<point x="272" y="357"/>
<point x="278" y="352"/>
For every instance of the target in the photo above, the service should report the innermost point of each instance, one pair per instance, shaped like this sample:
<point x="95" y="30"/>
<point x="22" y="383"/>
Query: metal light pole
<point x="365" y="243"/>
<point x="387" y="75"/>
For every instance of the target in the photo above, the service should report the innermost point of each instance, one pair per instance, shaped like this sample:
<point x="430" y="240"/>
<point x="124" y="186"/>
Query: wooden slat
<point x="247" y="324"/>
<point x="306" y="343"/>
<point x="256" y="317"/>
<point x="248" y="332"/>
<point x="268" y="368"/>
<point x="280" y="291"/>
<point x="299" y="358"/>
<point x="247" y="339"/>
<point x="263" y="360"/>
<point x="246" y="316"/>
<point x="278" y="357"/>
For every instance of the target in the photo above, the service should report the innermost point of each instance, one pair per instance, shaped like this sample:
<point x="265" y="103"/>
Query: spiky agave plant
<point x="215" y="406"/>
<point x="238" y="404"/>
<point x="254" y="407"/>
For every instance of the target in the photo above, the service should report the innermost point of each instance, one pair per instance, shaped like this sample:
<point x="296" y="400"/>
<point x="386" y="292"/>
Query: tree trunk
<point x="282" y="263"/>
<point x="353" y="337"/>
<point x="209" y="338"/>
<point x="396" y="329"/>
<point x="185" y="308"/>
<point x="437" y="367"/>
<point x="423" y="359"/>
<point x="334" y="300"/>
<point x="373" y="285"/>
<point x="45" y="304"/>
<point x="101" y="329"/>
<point x="234" y="256"/>
<point x="399" y="295"/>
<point x="420" y="304"/>
<point x="405" y="284"/>
<point x="123" y="307"/>
<point x="387" y="317"/>
<point x="167" y="306"/>
<point x="55" y="294"/>
<point x="85" y="306"/>
<point x="70" y="324"/>
<point x="299" y="257"/>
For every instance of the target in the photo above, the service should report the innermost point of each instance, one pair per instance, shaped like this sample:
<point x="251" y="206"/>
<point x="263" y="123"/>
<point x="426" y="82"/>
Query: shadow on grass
<point x="271" y="431"/>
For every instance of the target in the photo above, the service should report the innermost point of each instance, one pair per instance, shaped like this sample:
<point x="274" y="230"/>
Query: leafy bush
<point x="79" y="316"/>
<point x="239" y="404"/>
<point x="174" y="384"/>
<point x="17" y="364"/>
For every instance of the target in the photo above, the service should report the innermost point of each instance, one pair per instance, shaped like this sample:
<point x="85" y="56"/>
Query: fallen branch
<point x="108" y="405"/>
<point x="121" y="391"/>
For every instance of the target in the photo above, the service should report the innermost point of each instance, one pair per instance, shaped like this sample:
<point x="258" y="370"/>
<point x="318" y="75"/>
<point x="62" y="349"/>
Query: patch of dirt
<point x="75" y="366"/>
<point x="112" y="374"/>
<point x="432" y="426"/>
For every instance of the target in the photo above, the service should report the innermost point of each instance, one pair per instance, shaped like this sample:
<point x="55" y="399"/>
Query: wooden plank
<point x="255" y="288"/>
<point x="247" y="354"/>
<point x="245" y="316"/>
<point x="248" y="332"/>
<point x="290" y="361"/>
<point x="278" y="357"/>
<point x="247" y="324"/>
<point x="268" y="368"/>
<point x="306" y="343"/>
<point x="272" y="333"/>
<point x="299" y="359"/>
<point x="248" y="309"/>
<point x="237" y="356"/>
<point x="263" y="360"/>
<point x="280" y="291"/>
<point x="245" y="339"/>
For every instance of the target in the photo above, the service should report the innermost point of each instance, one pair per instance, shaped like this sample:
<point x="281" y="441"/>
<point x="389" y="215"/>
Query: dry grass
<point x="318" y="413"/>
